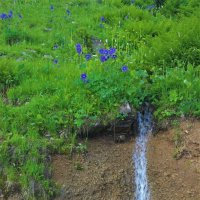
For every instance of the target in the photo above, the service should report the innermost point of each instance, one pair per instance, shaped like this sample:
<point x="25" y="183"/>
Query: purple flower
<point x="6" y="16"/>
<point x="150" y="7"/>
<point x="3" y="16"/>
<point x="55" y="46"/>
<point x="124" y="68"/>
<point x="107" y="57"/>
<point x="55" y="61"/>
<point x="113" y="56"/>
<point x="79" y="49"/>
<point x="111" y="51"/>
<point x="101" y="25"/>
<point x="103" y="19"/>
<point x="88" y="57"/>
<point x="84" y="77"/>
<point x="103" y="51"/>
<point x="10" y="14"/>
<point x="103" y="58"/>
<point x="51" y="7"/>
<point x="68" y="12"/>
<point x="106" y="52"/>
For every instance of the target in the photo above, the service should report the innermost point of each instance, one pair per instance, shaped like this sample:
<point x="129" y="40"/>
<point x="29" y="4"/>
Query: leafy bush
<point x="8" y="76"/>
<point x="13" y="36"/>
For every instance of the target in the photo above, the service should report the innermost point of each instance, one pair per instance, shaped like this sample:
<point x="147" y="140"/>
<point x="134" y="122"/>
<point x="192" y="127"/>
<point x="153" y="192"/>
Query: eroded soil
<point x="172" y="179"/>
<point x="106" y="173"/>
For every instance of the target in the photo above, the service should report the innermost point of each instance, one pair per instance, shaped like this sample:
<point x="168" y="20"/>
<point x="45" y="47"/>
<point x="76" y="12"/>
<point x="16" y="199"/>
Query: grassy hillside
<point x="67" y="64"/>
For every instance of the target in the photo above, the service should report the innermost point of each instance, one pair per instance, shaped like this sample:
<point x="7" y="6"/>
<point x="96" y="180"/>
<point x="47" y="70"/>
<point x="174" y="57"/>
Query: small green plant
<point x="176" y="123"/>
<point x="78" y="166"/>
<point x="14" y="36"/>
<point x="81" y="148"/>
<point x="178" y="141"/>
<point x="72" y="143"/>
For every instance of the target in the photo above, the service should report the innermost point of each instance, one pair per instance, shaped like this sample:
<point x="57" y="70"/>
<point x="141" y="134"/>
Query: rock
<point x="47" y="29"/>
<point x="189" y="192"/>
<point x="1" y="193"/>
<point x="48" y="56"/>
<point x="92" y="131"/>
<point x="120" y="138"/>
<point x="96" y="44"/>
<point x="64" y="133"/>
<point x="186" y="131"/>
<point x="47" y="173"/>
<point x="166" y="174"/>
<point x="19" y="59"/>
<point x="47" y="135"/>
<point x="125" y="109"/>
<point x="32" y="51"/>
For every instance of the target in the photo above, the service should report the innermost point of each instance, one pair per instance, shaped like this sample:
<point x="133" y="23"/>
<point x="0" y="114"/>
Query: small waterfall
<point x="142" y="191"/>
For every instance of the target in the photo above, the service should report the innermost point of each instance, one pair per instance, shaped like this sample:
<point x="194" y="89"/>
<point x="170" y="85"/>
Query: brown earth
<point x="172" y="179"/>
<point x="106" y="173"/>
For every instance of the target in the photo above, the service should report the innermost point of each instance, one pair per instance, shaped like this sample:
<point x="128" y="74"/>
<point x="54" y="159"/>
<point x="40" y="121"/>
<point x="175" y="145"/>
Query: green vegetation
<point x="48" y="91"/>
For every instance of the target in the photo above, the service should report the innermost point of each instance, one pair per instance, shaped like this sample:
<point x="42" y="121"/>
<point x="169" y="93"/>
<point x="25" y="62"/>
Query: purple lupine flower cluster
<point x="4" y="16"/>
<point x="79" y="49"/>
<point x="107" y="53"/>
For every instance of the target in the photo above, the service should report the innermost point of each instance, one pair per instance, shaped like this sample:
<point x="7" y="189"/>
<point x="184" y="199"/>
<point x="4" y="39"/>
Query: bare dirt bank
<point x="172" y="179"/>
<point x="107" y="170"/>
<point x="106" y="173"/>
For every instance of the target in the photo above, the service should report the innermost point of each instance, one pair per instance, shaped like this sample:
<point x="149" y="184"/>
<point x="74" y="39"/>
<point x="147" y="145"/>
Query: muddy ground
<point x="106" y="172"/>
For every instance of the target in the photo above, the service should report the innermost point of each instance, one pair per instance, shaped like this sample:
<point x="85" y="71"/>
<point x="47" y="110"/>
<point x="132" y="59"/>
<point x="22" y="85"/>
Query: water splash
<point x="142" y="191"/>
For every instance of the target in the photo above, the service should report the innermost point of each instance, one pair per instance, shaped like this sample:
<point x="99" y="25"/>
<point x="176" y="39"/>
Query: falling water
<point x="140" y="161"/>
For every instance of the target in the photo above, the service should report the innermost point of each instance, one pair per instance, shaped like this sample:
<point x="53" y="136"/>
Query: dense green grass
<point x="40" y="99"/>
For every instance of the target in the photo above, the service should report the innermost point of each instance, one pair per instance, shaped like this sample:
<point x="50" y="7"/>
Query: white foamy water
<point x="142" y="191"/>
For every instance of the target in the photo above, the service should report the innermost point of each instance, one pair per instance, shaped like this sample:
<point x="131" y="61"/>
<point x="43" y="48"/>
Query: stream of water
<point x="142" y="191"/>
